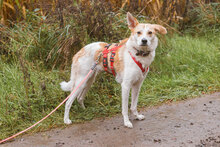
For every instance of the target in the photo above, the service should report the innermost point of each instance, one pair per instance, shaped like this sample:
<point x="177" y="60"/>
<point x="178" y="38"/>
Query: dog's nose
<point x="144" y="41"/>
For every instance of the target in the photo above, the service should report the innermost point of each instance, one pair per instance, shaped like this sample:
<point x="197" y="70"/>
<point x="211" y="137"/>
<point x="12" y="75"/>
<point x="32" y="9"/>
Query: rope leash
<point x="91" y="70"/>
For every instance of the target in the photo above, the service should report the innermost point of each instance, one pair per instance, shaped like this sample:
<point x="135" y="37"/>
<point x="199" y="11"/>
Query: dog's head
<point x="143" y="35"/>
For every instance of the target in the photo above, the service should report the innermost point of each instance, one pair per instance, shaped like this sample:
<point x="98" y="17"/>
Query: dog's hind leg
<point x="82" y="95"/>
<point x="81" y="91"/>
<point x="70" y="101"/>
<point x="80" y="98"/>
<point x="68" y="105"/>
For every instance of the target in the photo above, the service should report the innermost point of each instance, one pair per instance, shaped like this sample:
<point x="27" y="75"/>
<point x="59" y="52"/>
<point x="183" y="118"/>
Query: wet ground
<point x="194" y="122"/>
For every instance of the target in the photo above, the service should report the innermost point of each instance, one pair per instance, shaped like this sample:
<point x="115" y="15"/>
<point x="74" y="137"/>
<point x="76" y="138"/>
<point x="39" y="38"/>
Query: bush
<point x="204" y="19"/>
<point x="54" y="45"/>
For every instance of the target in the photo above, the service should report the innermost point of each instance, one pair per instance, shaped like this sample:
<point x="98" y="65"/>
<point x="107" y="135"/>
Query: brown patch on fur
<point x="123" y="41"/>
<point x="103" y="45"/>
<point x="119" y="64"/>
<point x="158" y="28"/>
<point x="98" y="52"/>
<point x="78" y="55"/>
<point x="139" y="27"/>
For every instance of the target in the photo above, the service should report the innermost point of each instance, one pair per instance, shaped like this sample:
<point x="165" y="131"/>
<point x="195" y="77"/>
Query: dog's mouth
<point x="143" y="45"/>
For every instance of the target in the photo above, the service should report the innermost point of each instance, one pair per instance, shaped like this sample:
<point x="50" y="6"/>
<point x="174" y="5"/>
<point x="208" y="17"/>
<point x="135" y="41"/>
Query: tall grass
<point x="170" y="11"/>
<point x="203" y="19"/>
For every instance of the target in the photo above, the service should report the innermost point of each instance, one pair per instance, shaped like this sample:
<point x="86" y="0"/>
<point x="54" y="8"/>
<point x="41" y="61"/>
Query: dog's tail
<point x="66" y="86"/>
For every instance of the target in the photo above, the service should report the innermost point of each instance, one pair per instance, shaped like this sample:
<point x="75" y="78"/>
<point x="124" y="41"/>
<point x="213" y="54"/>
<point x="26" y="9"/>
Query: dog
<point x="132" y="59"/>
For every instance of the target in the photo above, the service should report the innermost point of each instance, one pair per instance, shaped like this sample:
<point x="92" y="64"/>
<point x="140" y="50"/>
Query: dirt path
<point x="195" y="122"/>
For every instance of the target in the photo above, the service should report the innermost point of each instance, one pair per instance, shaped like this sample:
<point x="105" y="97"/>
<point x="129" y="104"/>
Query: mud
<point x="194" y="122"/>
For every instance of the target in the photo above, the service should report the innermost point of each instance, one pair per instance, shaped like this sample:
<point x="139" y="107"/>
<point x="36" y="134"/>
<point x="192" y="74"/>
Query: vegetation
<point x="38" y="40"/>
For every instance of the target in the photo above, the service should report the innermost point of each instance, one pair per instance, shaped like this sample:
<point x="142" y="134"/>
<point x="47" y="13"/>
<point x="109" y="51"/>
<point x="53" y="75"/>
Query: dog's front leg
<point x="125" y="96"/>
<point x="134" y="100"/>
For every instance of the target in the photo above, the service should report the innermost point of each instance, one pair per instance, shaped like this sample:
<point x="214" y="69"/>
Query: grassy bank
<point x="185" y="66"/>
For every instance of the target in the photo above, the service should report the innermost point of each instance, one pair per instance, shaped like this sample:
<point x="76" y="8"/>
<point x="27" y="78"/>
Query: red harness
<point x="113" y="50"/>
<point x="139" y="64"/>
<point x="105" y="57"/>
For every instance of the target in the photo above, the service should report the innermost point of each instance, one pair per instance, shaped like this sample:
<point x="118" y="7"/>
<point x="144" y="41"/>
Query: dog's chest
<point x="132" y="71"/>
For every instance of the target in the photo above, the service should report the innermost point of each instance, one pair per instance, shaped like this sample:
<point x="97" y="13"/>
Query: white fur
<point x="66" y="86"/>
<point x="131" y="77"/>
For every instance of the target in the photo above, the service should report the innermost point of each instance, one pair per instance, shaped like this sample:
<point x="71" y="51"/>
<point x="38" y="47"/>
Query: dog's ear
<point x="159" y="29"/>
<point x="132" y="21"/>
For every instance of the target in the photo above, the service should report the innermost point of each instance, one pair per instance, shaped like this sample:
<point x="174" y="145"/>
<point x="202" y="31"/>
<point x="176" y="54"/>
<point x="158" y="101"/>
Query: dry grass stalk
<point x="28" y="84"/>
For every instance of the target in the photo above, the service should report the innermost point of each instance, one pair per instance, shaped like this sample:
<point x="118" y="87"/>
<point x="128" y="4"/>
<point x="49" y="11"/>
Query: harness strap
<point x="105" y="58"/>
<point x="112" y="62"/>
<point x="139" y="64"/>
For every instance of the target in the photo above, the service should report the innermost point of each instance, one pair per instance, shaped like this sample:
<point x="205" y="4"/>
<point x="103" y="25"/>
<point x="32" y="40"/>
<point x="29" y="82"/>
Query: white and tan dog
<point x="139" y="47"/>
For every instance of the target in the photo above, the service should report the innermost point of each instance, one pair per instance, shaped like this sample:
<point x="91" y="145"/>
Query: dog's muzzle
<point x="144" y="42"/>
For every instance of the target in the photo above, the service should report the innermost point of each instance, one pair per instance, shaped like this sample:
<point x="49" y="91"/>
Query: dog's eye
<point x="150" y="32"/>
<point x="139" y="33"/>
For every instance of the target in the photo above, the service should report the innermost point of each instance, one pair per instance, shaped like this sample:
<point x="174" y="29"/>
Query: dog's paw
<point x="140" y="117"/>
<point x="128" y="124"/>
<point x="67" y="121"/>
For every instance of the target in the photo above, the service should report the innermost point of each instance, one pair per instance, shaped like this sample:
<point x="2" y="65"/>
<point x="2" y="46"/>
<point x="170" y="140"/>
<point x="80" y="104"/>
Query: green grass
<point x="184" y="67"/>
